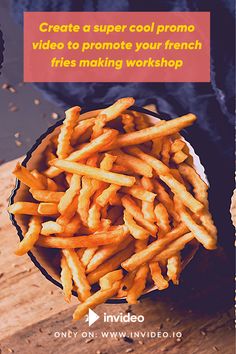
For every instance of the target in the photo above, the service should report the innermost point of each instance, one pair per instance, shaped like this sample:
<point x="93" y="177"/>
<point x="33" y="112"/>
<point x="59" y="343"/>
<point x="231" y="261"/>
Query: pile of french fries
<point x="119" y="205"/>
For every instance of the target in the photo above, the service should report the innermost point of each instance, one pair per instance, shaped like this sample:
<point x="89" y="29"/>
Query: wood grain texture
<point x="32" y="309"/>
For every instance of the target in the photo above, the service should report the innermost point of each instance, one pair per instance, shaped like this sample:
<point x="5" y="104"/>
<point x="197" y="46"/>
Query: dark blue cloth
<point x="213" y="103"/>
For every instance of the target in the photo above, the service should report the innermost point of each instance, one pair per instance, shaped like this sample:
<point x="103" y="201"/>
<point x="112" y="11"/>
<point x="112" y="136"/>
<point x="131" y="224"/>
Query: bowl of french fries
<point x="112" y="204"/>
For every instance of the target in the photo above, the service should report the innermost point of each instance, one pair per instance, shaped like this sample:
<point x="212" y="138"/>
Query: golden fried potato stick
<point x="177" y="145"/>
<point x="70" y="193"/>
<point x="51" y="227"/>
<point x="132" y="163"/>
<point x="140" y="193"/>
<point x="89" y="187"/>
<point x="109" y="279"/>
<point x="165" y="175"/>
<point x="98" y="239"/>
<point x="94" y="217"/>
<point x="107" y="162"/>
<point x="157" y="277"/>
<point x="148" y="207"/>
<point x="93" y="146"/>
<point x="135" y="230"/>
<point x="201" y="234"/>
<point x="111" y="264"/>
<point x="105" y="252"/>
<point x="67" y="129"/>
<point x="98" y="126"/>
<point x="43" y="195"/>
<point x="94" y="172"/>
<point x="165" y="152"/>
<point x="30" y="237"/>
<point x="108" y="193"/>
<point x="66" y="279"/>
<point x="48" y="209"/>
<point x="40" y="177"/>
<point x="179" y="157"/>
<point x="70" y="212"/>
<point x="128" y="122"/>
<point x="164" y="197"/>
<point x="117" y="108"/>
<point x="174" y="268"/>
<point x="157" y="147"/>
<point x="27" y="177"/>
<point x="138" y="285"/>
<point x="88" y="255"/>
<point x="130" y="205"/>
<point x="162" y="220"/>
<point x="78" y="274"/>
<point x="157" y="131"/>
<point x="153" y="249"/>
<point x="174" y="247"/>
<point x="81" y="129"/>
<point x="24" y="208"/>
<point x="97" y="298"/>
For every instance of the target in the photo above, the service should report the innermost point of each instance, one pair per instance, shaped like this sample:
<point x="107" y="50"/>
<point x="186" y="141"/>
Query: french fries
<point x="117" y="203"/>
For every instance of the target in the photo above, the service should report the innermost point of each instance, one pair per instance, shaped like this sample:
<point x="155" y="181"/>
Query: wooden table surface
<point x="33" y="312"/>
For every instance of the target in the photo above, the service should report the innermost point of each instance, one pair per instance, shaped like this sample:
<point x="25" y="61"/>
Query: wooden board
<point x="32" y="310"/>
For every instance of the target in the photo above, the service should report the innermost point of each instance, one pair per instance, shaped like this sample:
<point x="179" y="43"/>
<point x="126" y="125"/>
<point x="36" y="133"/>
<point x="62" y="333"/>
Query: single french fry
<point x="162" y="219"/>
<point x="158" y="131"/>
<point x="109" y="279"/>
<point x="112" y="264"/>
<point x="174" y="268"/>
<point x="108" y="193"/>
<point x="71" y="228"/>
<point x="70" y="212"/>
<point x="48" y="208"/>
<point x="88" y="188"/>
<point x="94" y="172"/>
<point x="128" y="122"/>
<point x="97" y="298"/>
<point x="43" y="195"/>
<point x="88" y="255"/>
<point x="51" y="227"/>
<point x="93" y="146"/>
<point x="140" y="193"/>
<point x="67" y="128"/>
<point x="158" y="279"/>
<point x="78" y="274"/>
<point x="30" y="237"/>
<point x="138" y="285"/>
<point x="165" y="175"/>
<point x="94" y="217"/>
<point x="27" y="177"/>
<point x="133" y="163"/>
<point x="40" y="177"/>
<point x="66" y="279"/>
<point x="201" y="234"/>
<point x="117" y="108"/>
<point x="153" y="249"/>
<point x="179" y="157"/>
<point x="107" y="162"/>
<point x="129" y="204"/>
<point x="24" y="208"/>
<point x="164" y="197"/>
<point x="70" y="193"/>
<point x="105" y="252"/>
<point x="98" y="126"/>
<point x="135" y="230"/>
<point x="148" y="207"/>
<point x="165" y="152"/>
<point x="174" y="247"/>
<point x="98" y="239"/>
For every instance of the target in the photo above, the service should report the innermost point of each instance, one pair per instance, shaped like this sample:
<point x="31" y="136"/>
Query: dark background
<point x="22" y="121"/>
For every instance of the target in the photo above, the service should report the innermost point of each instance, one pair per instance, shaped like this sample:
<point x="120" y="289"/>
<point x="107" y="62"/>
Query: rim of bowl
<point x="38" y="141"/>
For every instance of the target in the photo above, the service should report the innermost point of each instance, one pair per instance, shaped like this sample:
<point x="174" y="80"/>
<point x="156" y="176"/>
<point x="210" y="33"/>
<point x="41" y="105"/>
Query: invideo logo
<point x="123" y="318"/>
<point x="91" y="317"/>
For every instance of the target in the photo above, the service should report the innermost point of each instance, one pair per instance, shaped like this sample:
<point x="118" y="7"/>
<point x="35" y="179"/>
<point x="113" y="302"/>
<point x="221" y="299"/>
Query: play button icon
<point x="92" y="317"/>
